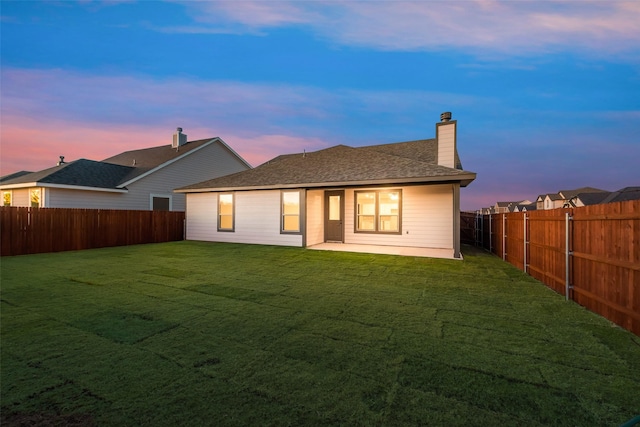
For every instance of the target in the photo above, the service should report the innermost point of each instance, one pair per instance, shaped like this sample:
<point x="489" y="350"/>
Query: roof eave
<point x="463" y="179"/>
<point x="168" y="162"/>
<point x="62" y="186"/>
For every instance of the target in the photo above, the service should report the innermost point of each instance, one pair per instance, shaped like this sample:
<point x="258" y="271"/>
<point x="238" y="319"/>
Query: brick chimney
<point x="179" y="138"/>
<point x="446" y="138"/>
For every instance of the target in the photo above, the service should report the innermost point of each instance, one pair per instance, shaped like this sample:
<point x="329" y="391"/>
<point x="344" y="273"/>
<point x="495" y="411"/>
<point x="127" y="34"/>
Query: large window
<point x="225" y="212"/>
<point x="290" y="212"/>
<point x="378" y="211"/>
<point x="6" y="198"/>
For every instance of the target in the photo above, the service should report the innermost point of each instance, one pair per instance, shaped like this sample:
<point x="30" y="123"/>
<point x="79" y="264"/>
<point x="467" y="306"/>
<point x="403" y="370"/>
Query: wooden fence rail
<point x="26" y="230"/>
<point x="589" y="254"/>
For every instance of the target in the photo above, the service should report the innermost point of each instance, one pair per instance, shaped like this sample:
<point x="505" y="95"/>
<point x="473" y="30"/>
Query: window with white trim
<point x="35" y="196"/>
<point x="290" y="208"/>
<point x="378" y="211"/>
<point x="226" y="220"/>
<point x="6" y="198"/>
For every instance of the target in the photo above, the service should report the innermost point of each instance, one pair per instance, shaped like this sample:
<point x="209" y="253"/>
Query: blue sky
<point x="546" y="94"/>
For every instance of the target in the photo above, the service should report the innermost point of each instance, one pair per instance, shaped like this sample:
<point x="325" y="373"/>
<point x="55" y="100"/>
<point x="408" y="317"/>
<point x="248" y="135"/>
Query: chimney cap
<point x="61" y="161"/>
<point x="179" y="129"/>
<point x="446" y="116"/>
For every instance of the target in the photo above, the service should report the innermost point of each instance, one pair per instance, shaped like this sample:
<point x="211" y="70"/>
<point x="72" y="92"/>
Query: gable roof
<point x="568" y="194"/>
<point x="79" y="173"/>
<point x="407" y="162"/>
<point x="113" y="173"/>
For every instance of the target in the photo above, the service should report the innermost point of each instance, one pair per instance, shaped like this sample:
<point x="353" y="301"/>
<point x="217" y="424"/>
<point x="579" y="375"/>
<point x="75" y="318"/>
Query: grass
<point x="190" y="333"/>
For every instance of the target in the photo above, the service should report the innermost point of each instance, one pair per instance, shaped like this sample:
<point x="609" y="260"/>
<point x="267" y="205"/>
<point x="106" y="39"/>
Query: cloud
<point x="482" y="27"/>
<point x="47" y="113"/>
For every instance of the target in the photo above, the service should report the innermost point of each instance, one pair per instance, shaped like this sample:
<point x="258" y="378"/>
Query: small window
<point x="161" y="203"/>
<point x="34" y="196"/>
<point x="378" y="211"/>
<point x="6" y="198"/>
<point x="290" y="212"/>
<point x="225" y="212"/>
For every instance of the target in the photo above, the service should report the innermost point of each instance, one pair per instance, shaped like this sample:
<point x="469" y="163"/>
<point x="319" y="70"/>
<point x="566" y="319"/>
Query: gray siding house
<point x="400" y="198"/>
<point x="134" y="180"/>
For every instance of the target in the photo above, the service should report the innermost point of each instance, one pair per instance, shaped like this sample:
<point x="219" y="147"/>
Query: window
<point x="378" y="211"/>
<point x="6" y="198"/>
<point x="161" y="204"/>
<point x="225" y="212"/>
<point x="290" y="212"/>
<point x="34" y="196"/>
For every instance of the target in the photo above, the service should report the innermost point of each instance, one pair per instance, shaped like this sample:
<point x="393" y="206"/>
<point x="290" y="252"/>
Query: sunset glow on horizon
<point x="546" y="94"/>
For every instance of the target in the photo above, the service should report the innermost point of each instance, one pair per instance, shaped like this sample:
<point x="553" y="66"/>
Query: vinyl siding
<point x="427" y="219"/>
<point x="20" y="197"/>
<point x="257" y="219"/>
<point x="209" y="162"/>
<point x="315" y="217"/>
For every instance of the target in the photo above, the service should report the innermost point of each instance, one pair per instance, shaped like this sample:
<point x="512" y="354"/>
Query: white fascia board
<point x="167" y="163"/>
<point x="464" y="180"/>
<point x="234" y="153"/>
<point x="63" y="186"/>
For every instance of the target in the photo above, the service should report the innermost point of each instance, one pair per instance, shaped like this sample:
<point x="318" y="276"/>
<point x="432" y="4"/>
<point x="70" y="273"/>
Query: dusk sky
<point x="546" y="94"/>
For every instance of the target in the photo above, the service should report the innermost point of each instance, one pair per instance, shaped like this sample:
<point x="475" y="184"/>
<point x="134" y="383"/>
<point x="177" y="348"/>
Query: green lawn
<point x="190" y="333"/>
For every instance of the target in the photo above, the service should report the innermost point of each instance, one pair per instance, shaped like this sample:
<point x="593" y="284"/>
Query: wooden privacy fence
<point x="589" y="254"/>
<point x="26" y="230"/>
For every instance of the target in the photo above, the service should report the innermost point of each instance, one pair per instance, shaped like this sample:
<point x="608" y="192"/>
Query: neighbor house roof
<point x="592" y="198"/>
<point x="13" y="175"/>
<point x="79" y="173"/>
<point x="113" y="173"/>
<point x="623" y="195"/>
<point x="407" y="162"/>
<point x="567" y="194"/>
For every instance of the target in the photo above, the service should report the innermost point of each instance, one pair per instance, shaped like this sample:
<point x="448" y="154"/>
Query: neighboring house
<point x="135" y="180"/>
<point x="623" y="195"/>
<point x="402" y="195"/>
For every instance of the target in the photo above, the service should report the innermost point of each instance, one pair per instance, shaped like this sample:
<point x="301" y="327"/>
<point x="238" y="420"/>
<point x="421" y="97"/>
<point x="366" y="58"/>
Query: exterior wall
<point x="207" y="163"/>
<point x="257" y="219"/>
<point x="315" y="217"/>
<point x="427" y="219"/>
<point x="20" y="197"/>
<point x="65" y="198"/>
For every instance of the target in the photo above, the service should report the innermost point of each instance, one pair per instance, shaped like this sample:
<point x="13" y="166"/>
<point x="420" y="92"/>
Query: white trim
<point x="160" y="196"/>
<point x="462" y="179"/>
<point x="65" y="186"/>
<point x="234" y="153"/>
<point x="167" y="163"/>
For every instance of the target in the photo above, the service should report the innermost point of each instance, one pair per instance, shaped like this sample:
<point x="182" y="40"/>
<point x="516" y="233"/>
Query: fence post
<point x="567" y="253"/>
<point x="490" y="234"/>
<point x="524" y="238"/>
<point x="504" y="237"/>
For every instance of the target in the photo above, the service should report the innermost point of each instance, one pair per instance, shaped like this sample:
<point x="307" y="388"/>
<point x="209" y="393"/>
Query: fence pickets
<point x="26" y="230"/>
<point x="589" y="254"/>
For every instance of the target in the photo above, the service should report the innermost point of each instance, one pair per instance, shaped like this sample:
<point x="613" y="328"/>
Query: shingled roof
<point x="400" y="163"/>
<point x="112" y="173"/>
<point x="82" y="172"/>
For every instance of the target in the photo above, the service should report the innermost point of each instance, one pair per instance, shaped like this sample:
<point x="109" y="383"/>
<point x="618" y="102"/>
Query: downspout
<point x="456" y="221"/>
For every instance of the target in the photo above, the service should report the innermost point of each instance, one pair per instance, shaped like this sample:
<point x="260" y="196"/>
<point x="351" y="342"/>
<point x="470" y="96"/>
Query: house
<point x="623" y="195"/>
<point x="399" y="198"/>
<point x="134" y="180"/>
